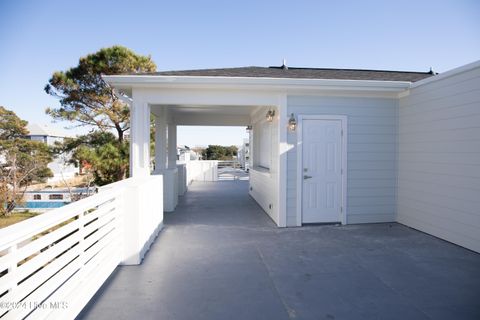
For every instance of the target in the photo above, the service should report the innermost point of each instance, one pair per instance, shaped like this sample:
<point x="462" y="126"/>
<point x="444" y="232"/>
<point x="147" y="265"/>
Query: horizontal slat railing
<point x="52" y="264"/>
<point x="229" y="163"/>
<point x="50" y="249"/>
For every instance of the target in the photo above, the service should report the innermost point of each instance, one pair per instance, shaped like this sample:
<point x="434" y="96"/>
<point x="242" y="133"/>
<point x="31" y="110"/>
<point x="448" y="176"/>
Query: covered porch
<point x="220" y="257"/>
<point x="208" y="103"/>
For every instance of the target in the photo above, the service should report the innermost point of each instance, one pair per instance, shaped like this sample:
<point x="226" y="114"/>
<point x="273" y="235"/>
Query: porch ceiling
<point x="196" y="109"/>
<point x="220" y="115"/>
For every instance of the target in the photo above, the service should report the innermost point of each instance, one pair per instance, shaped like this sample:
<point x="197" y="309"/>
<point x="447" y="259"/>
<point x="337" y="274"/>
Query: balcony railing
<point x="51" y="265"/>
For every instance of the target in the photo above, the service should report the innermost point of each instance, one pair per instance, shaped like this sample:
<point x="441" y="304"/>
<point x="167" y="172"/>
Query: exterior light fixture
<point x="292" y="123"/>
<point x="270" y="114"/>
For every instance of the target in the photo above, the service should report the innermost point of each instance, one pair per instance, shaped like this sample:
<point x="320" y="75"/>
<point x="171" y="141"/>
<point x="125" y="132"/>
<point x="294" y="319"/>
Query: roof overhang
<point x="126" y="83"/>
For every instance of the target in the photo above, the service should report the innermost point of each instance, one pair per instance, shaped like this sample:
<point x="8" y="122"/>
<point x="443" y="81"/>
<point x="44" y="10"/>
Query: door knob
<point x="307" y="177"/>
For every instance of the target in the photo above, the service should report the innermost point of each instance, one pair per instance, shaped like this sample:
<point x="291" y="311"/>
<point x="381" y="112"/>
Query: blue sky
<point x="39" y="37"/>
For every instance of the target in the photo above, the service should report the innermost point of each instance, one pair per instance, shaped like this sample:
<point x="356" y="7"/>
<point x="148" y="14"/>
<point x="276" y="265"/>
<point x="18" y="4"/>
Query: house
<point x="42" y="200"/>
<point x="327" y="146"/>
<point x="330" y="145"/>
<point x="186" y="154"/>
<point x="243" y="154"/>
<point x="49" y="135"/>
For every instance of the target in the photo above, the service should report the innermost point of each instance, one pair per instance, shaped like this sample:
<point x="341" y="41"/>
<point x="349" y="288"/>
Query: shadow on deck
<point x="221" y="257"/>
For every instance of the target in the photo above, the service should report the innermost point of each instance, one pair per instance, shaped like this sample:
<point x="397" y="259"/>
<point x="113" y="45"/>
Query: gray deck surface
<point x="221" y="257"/>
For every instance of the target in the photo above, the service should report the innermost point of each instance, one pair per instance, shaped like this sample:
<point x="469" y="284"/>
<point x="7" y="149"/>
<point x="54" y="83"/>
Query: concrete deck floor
<point x="221" y="257"/>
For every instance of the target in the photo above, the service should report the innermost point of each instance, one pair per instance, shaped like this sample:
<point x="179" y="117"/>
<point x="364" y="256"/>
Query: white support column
<point x="160" y="144"/>
<point x="172" y="146"/>
<point x="139" y="139"/>
<point x="250" y="147"/>
<point x="170" y="175"/>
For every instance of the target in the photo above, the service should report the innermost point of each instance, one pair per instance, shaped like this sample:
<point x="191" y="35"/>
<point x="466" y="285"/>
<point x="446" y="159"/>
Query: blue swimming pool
<point x="42" y="204"/>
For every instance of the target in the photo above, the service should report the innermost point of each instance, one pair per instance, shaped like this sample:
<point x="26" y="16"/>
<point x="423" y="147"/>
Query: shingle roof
<point x="302" y="73"/>
<point x="35" y="129"/>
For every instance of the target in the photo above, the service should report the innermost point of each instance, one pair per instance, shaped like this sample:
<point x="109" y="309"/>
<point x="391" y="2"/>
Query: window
<point x="37" y="197"/>
<point x="55" y="197"/>
<point x="265" y="145"/>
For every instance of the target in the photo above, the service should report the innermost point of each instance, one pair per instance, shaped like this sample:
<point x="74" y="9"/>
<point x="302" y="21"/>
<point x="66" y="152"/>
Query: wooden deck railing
<point x="51" y="265"/>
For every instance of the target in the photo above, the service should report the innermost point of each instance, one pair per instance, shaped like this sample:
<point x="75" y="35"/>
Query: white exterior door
<point x="321" y="171"/>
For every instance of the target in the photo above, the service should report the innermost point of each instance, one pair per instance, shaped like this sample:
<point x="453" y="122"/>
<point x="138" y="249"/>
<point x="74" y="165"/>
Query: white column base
<point x="182" y="178"/>
<point x="170" y="189"/>
<point x="142" y="218"/>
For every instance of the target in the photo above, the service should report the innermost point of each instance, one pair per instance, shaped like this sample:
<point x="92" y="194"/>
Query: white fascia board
<point x="448" y="74"/>
<point x="255" y="83"/>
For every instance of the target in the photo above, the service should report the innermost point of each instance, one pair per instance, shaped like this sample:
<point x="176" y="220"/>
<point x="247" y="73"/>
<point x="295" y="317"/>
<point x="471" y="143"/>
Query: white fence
<point x="202" y="170"/>
<point x="51" y="265"/>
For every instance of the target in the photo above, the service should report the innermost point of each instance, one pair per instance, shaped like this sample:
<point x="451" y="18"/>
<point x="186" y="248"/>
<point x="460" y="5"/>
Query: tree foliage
<point x="100" y="152"/>
<point x="87" y="100"/>
<point x="11" y="126"/>
<point x="216" y="152"/>
<point x="22" y="161"/>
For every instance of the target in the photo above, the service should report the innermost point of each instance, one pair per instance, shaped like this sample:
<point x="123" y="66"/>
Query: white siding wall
<point x="439" y="159"/>
<point x="372" y="127"/>
<point x="60" y="168"/>
<point x="263" y="182"/>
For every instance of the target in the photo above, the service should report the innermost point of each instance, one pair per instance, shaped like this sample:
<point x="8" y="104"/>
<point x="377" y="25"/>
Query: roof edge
<point x="448" y="74"/>
<point x="152" y="80"/>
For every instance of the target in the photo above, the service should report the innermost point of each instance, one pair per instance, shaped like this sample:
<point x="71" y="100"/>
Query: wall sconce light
<point x="292" y="123"/>
<point x="270" y="114"/>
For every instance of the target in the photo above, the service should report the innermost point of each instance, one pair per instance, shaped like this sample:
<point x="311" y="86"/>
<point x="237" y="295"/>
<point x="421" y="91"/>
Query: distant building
<point x="185" y="154"/>
<point x="243" y="155"/>
<point x="42" y="200"/>
<point x="49" y="135"/>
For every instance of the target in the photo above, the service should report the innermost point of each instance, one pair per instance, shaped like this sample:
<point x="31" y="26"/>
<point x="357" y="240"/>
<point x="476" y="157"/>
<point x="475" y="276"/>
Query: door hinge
<point x="341" y="132"/>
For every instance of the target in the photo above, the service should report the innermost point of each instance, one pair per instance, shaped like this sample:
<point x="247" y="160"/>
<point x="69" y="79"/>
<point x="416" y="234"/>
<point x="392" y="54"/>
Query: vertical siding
<point x="372" y="135"/>
<point x="439" y="159"/>
<point x="263" y="182"/>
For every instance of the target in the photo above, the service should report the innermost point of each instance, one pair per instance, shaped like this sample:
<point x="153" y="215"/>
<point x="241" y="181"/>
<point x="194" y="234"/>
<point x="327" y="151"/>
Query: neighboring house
<point x="331" y="145"/>
<point x="186" y="154"/>
<point x="42" y="200"/>
<point x="49" y="135"/>
<point x="243" y="154"/>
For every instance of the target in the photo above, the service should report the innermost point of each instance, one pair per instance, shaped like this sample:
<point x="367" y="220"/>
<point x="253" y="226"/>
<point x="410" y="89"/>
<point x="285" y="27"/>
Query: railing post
<point x="131" y="219"/>
<point x="143" y="217"/>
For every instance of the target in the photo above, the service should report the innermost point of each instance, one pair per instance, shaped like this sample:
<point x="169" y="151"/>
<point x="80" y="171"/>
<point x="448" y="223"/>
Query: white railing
<point x="229" y="163"/>
<point x="51" y="265"/>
